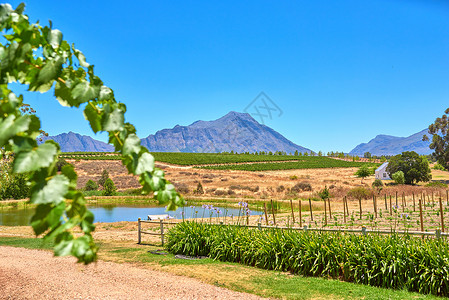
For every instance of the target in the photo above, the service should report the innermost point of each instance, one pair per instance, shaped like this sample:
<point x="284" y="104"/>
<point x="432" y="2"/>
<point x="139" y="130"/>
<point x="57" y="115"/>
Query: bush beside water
<point x="399" y="262"/>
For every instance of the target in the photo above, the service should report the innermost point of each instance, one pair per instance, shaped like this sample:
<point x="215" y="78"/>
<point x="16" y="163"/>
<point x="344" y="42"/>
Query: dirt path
<point x="36" y="274"/>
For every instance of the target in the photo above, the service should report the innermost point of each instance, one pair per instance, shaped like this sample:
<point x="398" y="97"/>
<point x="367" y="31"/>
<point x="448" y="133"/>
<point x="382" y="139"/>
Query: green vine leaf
<point x="35" y="159"/>
<point x="51" y="191"/>
<point x="37" y="57"/>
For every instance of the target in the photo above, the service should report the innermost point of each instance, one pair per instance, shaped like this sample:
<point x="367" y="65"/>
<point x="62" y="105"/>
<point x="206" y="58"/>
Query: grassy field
<point x="274" y="284"/>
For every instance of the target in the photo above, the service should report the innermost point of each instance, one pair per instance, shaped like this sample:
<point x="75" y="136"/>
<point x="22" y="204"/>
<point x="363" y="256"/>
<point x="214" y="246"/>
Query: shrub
<point x="293" y="177"/>
<point x="393" y="261"/>
<point x="181" y="187"/>
<point x="103" y="178"/>
<point x="301" y="186"/>
<point x="91" y="186"/>
<point x="437" y="166"/>
<point x="61" y="163"/>
<point x="109" y="188"/>
<point x="199" y="189"/>
<point x="280" y="189"/>
<point x="398" y="177"/>
<point x="360" y="193"/>
<point x="437" y="184"/>
<point x="14" y="186"/>
<point x="377" y="183"/>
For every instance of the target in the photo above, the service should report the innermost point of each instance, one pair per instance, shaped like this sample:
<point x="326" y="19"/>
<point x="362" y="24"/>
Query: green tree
<point x="91" y="185"/>
<point x="415" y="168"/>
<point x="199" y="189"/>
<point x="363" y="172"/>
<point x="109" y="188"/>
<point x="378" y="185"/>
<point x="398" y="177"/>
<point x="324" y="193"/>
<point x="103" y="178"/>
<point x="12" y="186"/>
<point x="39" y="59"/>
<point x="367" y="155"/>
<point x="439" y="131"/>
<point x="61" y="163"/>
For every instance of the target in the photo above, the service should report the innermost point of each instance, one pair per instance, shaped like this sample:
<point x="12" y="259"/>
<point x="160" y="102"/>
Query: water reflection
<point x="107" y="213"/>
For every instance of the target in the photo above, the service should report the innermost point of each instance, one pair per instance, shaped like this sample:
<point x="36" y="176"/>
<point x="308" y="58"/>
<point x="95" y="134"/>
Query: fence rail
<point x="437" y="233"/>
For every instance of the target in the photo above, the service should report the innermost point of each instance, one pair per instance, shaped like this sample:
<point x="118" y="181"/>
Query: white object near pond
<point x="159" y="217"/>
<point x="381" y="172"/>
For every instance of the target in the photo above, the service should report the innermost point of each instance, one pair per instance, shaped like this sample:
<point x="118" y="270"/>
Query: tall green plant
<point x="397" y="262"/>
<point x="38" y="58"/>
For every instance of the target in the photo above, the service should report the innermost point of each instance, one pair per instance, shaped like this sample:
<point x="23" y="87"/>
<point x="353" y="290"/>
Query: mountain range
<point x="238" y="132"/>
<point x="392" y="145"/>
<point x="73" y="142"/>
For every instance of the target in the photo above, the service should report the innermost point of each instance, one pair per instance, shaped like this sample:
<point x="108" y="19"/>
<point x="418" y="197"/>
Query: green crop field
<point x="219" y="161"/>
<point x="216" y="158"/>
<point x="305" y="162"/>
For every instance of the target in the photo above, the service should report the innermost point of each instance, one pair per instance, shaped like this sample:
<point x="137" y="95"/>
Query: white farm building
<point x="381" y="172"/>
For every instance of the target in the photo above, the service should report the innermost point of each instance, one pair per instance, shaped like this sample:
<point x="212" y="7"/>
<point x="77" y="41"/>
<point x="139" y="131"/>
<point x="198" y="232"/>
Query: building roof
<point x="382" y="166"/>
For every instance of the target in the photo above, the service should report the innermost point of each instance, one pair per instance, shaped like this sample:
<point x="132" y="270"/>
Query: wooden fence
<point x="437" y="233"/>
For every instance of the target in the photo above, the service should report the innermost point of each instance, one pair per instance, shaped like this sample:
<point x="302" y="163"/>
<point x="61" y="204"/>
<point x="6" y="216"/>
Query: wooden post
<point x="360" y="205"/>
<point x="447" y="197"/>
<point x="391" y="207"/>
<point x="386" y="205"/>
<point x="311" y="213"/>
<point x="397" y="199"/>
<point x="433" y="201"/>
<point x="300" y="213"/>
<point x="413" y="201"/>
<point x="346" y="203"/>
<point x="442" y="215"/>
<point x="272" y="211"/>
<point x="325" y="213"/>
<point x="162" y="232"/>
<point x="424" y="200"/>
<point x="266" y="215"/>
<point x="330" y="211"/>
<point x="375" y="206"/>
<point x="139" y="236"/>
<point x="420" y="215"/>
<point x="293" y="214"/>
<point x="403" y="199"/>
<point x="344" y="210"/>
<point x="403" y="203"/>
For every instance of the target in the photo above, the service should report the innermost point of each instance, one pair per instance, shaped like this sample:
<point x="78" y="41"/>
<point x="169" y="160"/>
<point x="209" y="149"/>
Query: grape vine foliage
<point x="38" y="58"/>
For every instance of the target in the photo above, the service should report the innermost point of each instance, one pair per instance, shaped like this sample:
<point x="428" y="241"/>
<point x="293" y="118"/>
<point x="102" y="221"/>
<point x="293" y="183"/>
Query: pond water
<point x="115" y="213"/>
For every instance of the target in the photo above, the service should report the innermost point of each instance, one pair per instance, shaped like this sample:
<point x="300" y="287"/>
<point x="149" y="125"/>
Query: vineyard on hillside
<point x="310" y="162"/>
<point x="248" y="162"/>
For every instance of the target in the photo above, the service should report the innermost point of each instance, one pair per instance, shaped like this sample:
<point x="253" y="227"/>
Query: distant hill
<point x="235" y="131"/>
<point x="392" y="145"/>
<point x="72" y="142"/>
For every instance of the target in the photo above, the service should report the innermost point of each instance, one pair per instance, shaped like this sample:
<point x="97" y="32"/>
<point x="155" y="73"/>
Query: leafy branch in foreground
<point x="39" y="58"/>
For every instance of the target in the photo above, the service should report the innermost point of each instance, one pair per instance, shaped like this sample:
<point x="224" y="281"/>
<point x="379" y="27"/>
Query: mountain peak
<point x="235" y="131"/>
<point x="72" y="141"/>
<point x="391" y="145"/>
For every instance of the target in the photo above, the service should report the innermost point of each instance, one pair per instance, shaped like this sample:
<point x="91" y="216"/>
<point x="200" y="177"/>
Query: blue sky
<point x="341" y="71"/>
